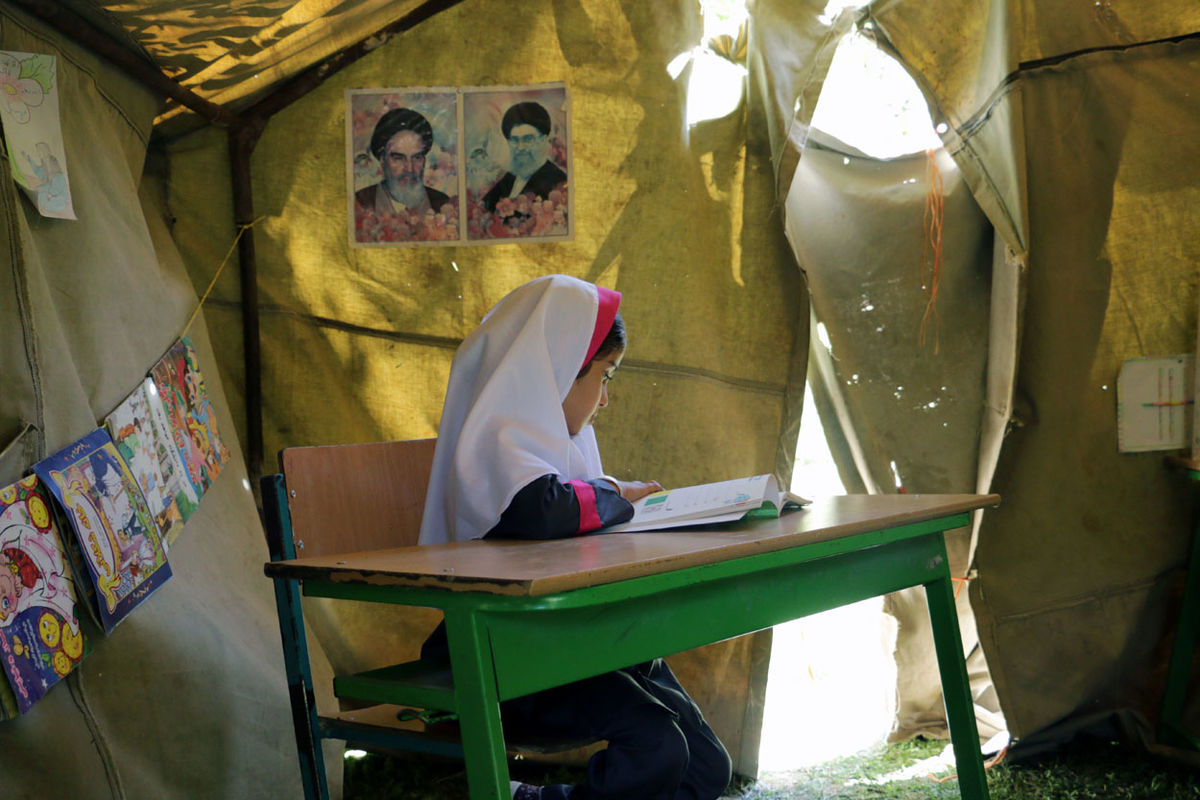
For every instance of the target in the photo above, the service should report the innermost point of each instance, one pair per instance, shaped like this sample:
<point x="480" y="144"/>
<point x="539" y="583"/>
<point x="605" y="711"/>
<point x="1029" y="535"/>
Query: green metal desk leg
<point x="1170" y="723"/>
<point x="478" y="705"/>
<point x="956" y="690"/>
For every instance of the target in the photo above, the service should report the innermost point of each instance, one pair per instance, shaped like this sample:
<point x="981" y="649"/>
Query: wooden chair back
<point x="350" y="497"/>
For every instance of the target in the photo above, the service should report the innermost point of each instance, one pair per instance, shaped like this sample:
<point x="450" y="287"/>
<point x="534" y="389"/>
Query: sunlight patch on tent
<point x="835" y="7"/>
<point x="870" y="102"/>
<point x="823" y="338"/>
<point x="714" y="88"/>
<point x="831" y="681"/>
<point x="718" y="77"/>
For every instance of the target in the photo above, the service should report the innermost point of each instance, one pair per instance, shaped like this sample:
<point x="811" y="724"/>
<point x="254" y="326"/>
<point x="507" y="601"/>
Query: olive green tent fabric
<point x="900" y="370"/>
<point x="1069" y="126"/>
<point x="186" y="697"/>
<point x="901" y="386"/>
<point x="1100" y="536"/>
<point x="681" y="219"/>
<point x="791" y="47"/>
<point x="1084" y="553"/>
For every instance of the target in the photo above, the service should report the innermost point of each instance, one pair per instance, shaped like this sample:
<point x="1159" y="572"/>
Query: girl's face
<point x="589" y="393"/>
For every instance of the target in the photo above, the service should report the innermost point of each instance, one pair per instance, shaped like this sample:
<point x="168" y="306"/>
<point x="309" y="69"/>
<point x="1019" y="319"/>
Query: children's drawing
<point x="40" y="638"/>
<point x="124" y="553"/>
<point x="191" y="415"/>
<point x="29" y="113"/>
<point x="142" y="433"/>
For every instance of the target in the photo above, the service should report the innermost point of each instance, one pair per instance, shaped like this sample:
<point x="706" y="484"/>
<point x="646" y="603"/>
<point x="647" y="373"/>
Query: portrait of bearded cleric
<point x="402" y="166"/>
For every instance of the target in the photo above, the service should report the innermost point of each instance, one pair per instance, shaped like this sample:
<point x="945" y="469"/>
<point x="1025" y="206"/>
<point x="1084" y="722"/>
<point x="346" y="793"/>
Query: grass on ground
<point x="1087" y="769"/>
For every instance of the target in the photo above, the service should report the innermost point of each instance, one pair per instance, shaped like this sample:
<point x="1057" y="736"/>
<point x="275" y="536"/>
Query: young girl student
<point x="516" y="457"/>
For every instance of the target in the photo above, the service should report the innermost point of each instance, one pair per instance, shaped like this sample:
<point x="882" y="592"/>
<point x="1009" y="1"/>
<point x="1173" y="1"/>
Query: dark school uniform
<point x="659" y="745"/>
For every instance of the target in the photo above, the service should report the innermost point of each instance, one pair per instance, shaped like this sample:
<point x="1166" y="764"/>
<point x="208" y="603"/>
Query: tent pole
<point x="242" y="140"/>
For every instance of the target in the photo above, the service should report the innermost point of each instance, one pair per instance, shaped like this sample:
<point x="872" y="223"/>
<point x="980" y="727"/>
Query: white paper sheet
<point x="29" y="113"/>
<point x="1154" y="404"/>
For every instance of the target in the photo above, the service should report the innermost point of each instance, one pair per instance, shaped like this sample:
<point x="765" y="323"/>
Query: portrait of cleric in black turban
<point x="517" y="163"/>
<point x="403" y="170"/>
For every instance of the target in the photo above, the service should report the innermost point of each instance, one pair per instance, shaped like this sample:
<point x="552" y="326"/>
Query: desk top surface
<point x="524" y="568"/>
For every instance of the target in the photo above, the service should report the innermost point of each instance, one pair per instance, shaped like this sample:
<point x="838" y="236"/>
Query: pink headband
<point x="606" y="312"/>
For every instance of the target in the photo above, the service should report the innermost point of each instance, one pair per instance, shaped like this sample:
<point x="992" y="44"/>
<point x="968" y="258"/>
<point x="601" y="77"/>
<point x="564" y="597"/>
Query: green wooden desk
<point x="1170" y="721"/>
<point x="592" y="604"/>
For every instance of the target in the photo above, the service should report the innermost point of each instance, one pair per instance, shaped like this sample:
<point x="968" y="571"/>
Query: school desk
<point x="1170" y="721"/>
<point x="523" y="616"/>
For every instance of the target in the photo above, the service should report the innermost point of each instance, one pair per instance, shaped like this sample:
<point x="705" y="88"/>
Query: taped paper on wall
<point x="1154" y="404"/>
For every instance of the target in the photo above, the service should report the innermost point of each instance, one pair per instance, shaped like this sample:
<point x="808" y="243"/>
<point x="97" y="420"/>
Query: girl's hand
<point x="636" y="490"/>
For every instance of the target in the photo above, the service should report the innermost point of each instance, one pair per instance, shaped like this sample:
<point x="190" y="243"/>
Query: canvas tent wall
<point x="1069" y="129"/>
<point x="1066" y="124"/>
<point x="371" y="334"/>
<point x="185" y="698"/>
<point x="663" y="215"/>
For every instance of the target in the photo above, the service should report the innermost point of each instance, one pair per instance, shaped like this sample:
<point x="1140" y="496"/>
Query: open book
<point x="724" y="501"/>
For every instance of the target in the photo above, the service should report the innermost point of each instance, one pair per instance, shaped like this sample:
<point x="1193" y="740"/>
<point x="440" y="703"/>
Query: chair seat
<point x="404" y="695"/>
<point x="318" y="509"/>
<point x="421" y="683"/>
<point x="375" y="726"/>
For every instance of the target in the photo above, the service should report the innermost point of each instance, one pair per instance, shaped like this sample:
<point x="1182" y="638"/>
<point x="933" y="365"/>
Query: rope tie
<point x="242" y="228"/>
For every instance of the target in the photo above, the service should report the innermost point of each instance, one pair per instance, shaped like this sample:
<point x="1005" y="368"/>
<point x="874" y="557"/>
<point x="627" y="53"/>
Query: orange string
<point x="931" y="253"/>
<point x="961" y="583"/>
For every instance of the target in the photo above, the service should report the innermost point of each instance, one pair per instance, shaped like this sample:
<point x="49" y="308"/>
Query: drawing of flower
<point x="39" y="513"/>
<point x="72" y="642"/>
<point x="19" y="93"/>
<point x="49" y="629"/>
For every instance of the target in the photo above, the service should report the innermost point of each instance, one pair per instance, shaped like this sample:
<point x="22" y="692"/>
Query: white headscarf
<point x="502" y="423"/>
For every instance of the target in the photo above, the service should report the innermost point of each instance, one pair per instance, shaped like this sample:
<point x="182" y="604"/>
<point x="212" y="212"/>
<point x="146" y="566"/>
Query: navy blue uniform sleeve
<point x="547" y="508"/>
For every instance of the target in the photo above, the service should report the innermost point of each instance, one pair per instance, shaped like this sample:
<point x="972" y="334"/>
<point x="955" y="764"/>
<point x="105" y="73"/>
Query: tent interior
<point x="957" y="314"/>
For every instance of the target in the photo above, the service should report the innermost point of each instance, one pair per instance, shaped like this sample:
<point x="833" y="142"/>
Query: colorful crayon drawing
<point x="140" y="429"/>
<point x="192" y="417"/>
<point x="40" y="638"/>
<point x="123" y="550"/>
<point x="33" y="133"/>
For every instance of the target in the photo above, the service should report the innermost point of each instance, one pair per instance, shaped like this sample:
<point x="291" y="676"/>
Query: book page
<point x="710" y="502"/>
